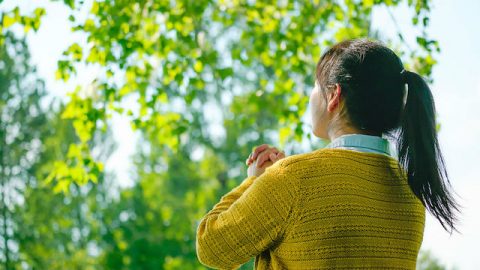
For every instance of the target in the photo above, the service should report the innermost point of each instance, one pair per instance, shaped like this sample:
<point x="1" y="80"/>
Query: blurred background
<point x="122" y="123"/>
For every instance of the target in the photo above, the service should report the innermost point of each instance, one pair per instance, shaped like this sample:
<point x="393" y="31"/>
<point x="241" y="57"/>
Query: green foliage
<point x="78" y="166"/>
<point x="13" y="17"/>
<point x="60" y="230"/>
<point x="169" y="56"/>
<point x="427" y="261"/>
<point x="155" y="219"/>
<point x="39" y="228"/>
<point x="21" y="119"/>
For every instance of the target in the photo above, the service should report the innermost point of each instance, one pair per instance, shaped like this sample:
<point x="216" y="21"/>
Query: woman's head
<point x="360" y="88"/>
<point x="361" y="81"/>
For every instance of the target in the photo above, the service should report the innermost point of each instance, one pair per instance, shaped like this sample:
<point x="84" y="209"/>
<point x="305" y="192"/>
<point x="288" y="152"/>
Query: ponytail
<point x="419" y="152"/>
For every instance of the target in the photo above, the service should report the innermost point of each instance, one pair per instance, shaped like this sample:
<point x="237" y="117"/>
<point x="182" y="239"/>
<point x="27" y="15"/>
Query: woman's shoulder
<point x="326" y="156"/>
<point x="304" y="159"/>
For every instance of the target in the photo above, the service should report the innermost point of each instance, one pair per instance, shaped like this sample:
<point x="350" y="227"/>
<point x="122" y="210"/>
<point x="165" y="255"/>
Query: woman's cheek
<point x="313" y="107"/>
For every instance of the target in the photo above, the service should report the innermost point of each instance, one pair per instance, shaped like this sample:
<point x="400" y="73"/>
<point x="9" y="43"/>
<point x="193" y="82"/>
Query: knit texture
<point x="326" y="209"/>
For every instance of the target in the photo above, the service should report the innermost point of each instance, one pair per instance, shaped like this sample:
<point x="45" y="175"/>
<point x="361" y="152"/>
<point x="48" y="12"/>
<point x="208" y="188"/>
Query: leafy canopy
<point x="163" y="62"/>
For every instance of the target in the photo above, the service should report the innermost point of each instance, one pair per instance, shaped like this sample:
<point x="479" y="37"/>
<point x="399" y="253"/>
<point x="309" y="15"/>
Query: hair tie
<point x="403" y="74"/>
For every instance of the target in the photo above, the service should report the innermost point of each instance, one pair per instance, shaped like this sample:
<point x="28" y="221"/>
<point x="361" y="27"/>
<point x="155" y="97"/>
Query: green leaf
<point x="70" y="3"/>
<point x="8" y="21"/>
<point x="284" y="133"/>
<point x="225" y="72"/>
<point x="198" y="67"/>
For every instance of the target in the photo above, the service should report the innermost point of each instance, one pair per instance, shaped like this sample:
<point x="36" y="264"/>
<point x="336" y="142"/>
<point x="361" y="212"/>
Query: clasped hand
<point x="261" y="158"/>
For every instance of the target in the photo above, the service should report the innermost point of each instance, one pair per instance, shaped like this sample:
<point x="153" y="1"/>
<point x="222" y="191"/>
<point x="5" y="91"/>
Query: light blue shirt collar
<point x="362" y="142"/>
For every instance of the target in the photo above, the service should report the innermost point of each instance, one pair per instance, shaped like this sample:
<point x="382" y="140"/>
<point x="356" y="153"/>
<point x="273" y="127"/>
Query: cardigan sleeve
<point x="247" y="220"/>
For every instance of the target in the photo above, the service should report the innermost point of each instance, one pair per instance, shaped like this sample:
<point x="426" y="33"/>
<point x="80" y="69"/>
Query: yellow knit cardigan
<point x="326" y="209"/>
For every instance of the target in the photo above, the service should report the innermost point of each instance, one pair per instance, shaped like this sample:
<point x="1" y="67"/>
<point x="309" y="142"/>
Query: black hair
<point x="372" y="80"/>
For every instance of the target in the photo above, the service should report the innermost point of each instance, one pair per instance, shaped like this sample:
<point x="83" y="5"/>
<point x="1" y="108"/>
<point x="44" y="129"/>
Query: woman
<point x="351" y="204"/>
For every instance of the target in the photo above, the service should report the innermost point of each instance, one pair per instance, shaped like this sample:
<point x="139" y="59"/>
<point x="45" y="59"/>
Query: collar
<point x="364" y="142"/>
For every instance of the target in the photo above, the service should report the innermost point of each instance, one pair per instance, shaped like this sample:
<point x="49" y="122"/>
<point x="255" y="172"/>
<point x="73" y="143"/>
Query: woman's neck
<point x="335" y="133"/>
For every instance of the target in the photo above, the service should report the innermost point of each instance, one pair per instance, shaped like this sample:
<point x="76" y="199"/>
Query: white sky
<point x="456" y="91"/>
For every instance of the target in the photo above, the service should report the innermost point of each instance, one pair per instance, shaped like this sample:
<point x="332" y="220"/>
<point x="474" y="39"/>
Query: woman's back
<point x="355" y="211"/>
<point x="327" y="209"/>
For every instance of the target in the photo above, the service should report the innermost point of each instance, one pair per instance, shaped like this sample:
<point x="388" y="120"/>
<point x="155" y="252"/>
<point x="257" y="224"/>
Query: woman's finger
<point x="260" y="159"/>
<point x="258" y="150"/>
<point x="264" y="156"/>
<point x="272" y="149"/>
<point x="264" y="152"/>
<point x="247" y="161"/>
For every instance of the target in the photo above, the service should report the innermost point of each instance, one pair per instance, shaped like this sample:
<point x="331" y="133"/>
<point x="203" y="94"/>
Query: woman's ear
<point x="334" y="98"/>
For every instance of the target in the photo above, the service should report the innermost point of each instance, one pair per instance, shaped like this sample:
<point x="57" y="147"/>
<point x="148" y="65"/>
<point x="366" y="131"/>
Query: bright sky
<point x="456" y="91"/>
